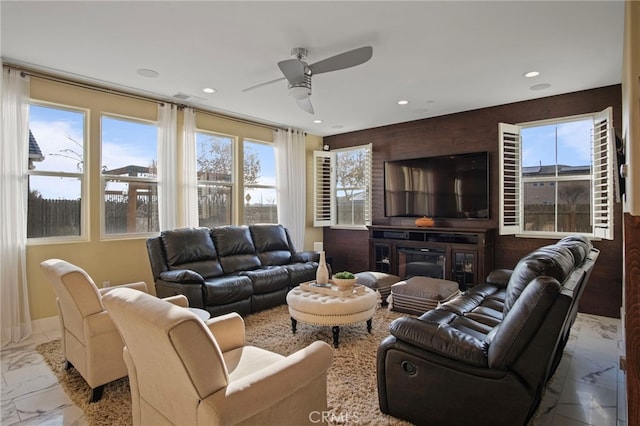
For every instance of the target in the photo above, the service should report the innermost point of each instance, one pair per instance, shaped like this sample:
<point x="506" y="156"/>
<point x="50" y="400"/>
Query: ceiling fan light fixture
<point x="299" y="92"/>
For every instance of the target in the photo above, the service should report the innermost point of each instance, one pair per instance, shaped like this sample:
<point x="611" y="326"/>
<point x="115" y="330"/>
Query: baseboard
<point x="44" y="325"/>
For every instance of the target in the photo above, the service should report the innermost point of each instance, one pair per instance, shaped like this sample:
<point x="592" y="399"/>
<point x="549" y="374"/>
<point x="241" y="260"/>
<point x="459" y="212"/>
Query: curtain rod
<point x="92" y="86"/>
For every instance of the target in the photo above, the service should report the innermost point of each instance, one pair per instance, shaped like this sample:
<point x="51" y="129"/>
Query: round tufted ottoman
<point x="322" y="309"/>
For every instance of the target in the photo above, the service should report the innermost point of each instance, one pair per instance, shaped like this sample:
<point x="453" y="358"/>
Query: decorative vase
<point x="424" y="222"/>
<point x="322" y="273"/>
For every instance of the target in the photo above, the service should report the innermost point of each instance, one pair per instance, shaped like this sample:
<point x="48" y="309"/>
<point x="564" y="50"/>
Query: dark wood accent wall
<point x="474" y="131"/>
<point x="632" y="315"/>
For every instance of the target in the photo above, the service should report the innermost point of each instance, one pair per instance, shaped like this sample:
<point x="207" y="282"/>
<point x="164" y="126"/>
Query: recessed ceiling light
<point x="209" y="90"/>
<point x="317" y="121"/>
<point x="531" y="74"/>
<point x="403" y="102"/>
<point x="147" y="73"/>
<point x="540" y="86"/>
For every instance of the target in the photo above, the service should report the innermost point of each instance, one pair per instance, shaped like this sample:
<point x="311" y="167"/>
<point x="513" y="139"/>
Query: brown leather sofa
<point x="241" y="269"/>
<point x="485" y="357"/>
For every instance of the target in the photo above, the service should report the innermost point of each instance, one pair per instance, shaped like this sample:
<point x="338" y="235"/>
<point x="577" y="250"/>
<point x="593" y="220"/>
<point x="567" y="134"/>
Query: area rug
<point x="351" y="384"/>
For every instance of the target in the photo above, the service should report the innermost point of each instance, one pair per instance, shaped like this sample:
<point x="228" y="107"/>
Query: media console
<point x="456" y="254"/>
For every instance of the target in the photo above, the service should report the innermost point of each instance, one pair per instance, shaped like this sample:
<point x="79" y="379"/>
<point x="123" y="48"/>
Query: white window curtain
<point x="291" y="181"/>
<point x="167" y="166"/>
<point x="15" y="317"/>
<point x="190" y="174"/>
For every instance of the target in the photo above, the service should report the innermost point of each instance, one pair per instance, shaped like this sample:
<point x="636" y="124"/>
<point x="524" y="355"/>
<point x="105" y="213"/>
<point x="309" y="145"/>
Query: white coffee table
<point x="201" y="313"/>
<point x="321" y="309"/>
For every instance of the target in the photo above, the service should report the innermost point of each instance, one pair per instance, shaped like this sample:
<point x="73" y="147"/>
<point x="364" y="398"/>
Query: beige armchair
<point x="183" y="370"/>
<point x="90" y="340"/>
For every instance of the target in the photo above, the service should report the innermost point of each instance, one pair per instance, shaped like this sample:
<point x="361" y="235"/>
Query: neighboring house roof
<point x="34" y="149"/>
<point x="130" y="170"/>
<point x="551" y="170"/>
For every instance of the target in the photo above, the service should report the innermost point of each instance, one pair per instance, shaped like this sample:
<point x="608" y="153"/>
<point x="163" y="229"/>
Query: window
<point x="557" y="176"/>
<point x="342" y="195"/>
<point x="56" y="172"/>
<point x="129" y="176"/>
<point x="259" y="182"/>
<point x="214" y="165"/>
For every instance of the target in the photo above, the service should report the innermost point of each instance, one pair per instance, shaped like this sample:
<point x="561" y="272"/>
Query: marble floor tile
<point x="38" y="403"/>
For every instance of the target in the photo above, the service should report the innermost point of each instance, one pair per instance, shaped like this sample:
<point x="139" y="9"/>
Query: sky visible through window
<point x="60" y="135"/>
<point x="571" y="141"/>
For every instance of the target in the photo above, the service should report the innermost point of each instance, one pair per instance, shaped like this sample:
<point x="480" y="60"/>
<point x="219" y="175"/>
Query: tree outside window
<point x="259" y="182"/>
<point x="56" y="172"/>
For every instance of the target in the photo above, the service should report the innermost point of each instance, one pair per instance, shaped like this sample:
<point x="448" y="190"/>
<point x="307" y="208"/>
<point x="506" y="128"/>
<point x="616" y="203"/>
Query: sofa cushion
<point x="579" y="245"/>
<point x="507" y="340"/>
<point x="301" y="272"/>
<point x="235" y="248"/>
<point x="227" y="289"/>
<point x="271" y="244"/>
<point x="269" y="279"/>
<point x="191" y="248"/>
<point x="553" y="261"/>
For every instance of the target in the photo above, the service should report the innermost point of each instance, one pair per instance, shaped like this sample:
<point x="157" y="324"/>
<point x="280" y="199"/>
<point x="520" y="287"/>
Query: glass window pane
<point x="130" y="207"/>
<point x="129" y="148"/>
<point x="259" y="180"/>
<point x="58" y="139"/>
<point x="259" y="165"/>
<point x="539" y="147"/>
<point x="351" y="188"/>
<point x="260" y="205"/>
<point x="54" y="207"/>
<point x="574" y="144"/>
<point x="550" y="154"/>
<point x="574" y="206"/>
<point x="214" y="157"/>
<point x="214" y="205"/>
<point x="539" y="207"/>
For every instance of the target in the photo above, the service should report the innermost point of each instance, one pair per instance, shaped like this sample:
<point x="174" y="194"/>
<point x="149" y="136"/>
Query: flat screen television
<point x="449" y="186"/>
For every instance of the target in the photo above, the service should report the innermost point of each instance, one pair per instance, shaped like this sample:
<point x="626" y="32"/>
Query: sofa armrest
<point x="228" y="331"/>
<point x="182" y="276"/>
<point x="97" y="324"/>
<point x="305" y="256"/>
<point x="178" y="300"/>
<point x="140" y="285"/>
<point x="499" y="277"/>
<point x="441" y="339"/>
<point x="287" y="378"/>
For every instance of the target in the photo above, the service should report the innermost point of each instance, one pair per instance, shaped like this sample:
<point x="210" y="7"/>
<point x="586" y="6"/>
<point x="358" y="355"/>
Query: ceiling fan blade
<point x="293" y="70"/>
<point x="263" y="84"/>
<point x="305" y="104"/>
<point x="343" y="60"/>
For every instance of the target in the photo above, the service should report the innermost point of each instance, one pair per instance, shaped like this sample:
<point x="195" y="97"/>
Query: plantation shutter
<point x="510" y="178"/>
<point x="604" y="157"/>
<point x="367" y="204"/>
<point x="323" y="188"/>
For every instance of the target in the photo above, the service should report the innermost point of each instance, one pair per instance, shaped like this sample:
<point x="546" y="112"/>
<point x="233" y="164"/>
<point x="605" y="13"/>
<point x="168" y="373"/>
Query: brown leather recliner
<point x="485" y="357"/>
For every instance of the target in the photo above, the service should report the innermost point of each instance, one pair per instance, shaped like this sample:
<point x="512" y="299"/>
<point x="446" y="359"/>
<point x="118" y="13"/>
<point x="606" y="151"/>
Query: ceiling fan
<point x="298" y="73"/>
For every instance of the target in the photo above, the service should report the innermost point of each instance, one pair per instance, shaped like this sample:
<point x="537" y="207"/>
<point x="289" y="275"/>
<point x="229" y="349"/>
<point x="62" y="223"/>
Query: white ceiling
<point x="443" y="57"/>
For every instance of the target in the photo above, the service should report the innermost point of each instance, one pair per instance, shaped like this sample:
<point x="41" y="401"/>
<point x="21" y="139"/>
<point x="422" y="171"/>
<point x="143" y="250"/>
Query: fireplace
<point x="426" y="262"/>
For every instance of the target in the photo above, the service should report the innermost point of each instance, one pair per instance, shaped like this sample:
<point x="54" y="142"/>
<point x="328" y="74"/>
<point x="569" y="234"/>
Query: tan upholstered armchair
<point x="91" y="342"/>
<point x="183" y="370"/>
